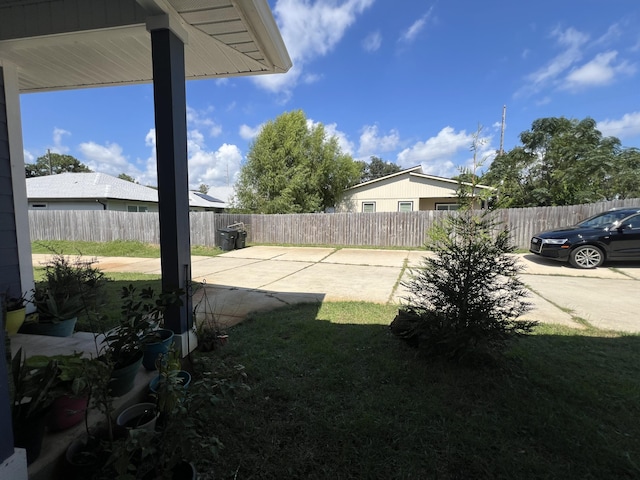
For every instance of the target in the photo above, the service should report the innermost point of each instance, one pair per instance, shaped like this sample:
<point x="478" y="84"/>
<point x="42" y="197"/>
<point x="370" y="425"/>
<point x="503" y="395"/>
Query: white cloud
<point x="626" y="127"/>
<point x="602" y="70"/>
<point x="105" y="158"/>
<point x="371" y="143"/>
<point x="213" y="168"/>
<point x="410" y="34"/>
<point x="200" y="119"/>
<point x="331" y="130"/>
<point x="372" y="42"/>
<point x="613" y="33"/>
<point x="439" y="155"/>
<point x="309" y="30"/>
<point x="249" y="133"/>
<point x="58" y="134"/>
<point x="28" y="156"/>
<point x="572" y="41"/>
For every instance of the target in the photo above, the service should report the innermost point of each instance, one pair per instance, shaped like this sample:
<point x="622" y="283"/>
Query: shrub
<point x="466" y="298"/>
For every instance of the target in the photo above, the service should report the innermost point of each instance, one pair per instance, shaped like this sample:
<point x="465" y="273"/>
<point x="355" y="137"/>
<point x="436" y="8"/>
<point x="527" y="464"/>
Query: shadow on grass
<point x="333" y="399"/>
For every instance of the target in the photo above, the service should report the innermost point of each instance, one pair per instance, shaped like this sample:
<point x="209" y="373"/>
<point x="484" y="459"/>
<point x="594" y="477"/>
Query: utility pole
<point x="504" y="116"/>
<point x="49" y="159"/>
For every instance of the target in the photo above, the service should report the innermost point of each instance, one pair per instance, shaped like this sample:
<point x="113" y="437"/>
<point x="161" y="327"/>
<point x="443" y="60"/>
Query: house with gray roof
<point x="99" y="191"/>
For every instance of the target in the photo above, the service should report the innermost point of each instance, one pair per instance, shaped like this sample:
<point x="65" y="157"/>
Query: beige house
<point x="405" y="191"/>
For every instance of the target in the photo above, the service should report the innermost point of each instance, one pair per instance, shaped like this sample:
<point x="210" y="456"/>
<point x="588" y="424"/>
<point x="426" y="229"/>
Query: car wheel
<point x="587" y="256"/>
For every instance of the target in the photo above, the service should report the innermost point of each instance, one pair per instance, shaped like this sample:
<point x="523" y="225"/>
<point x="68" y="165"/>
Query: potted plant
<point x="33" y="393"/>
<point x="124" y="345"/>
<point x="73" y="388"/>
<point x="158" y="340"/>
<point x="68" y="288"/>
<point x="16" y="312"/>
<point x="87" y="454"/>
<point x="169" y="388"/>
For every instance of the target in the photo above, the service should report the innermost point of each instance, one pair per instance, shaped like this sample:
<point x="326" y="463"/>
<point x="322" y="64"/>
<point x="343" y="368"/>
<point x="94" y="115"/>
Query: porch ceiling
<point x="68" y="44"/>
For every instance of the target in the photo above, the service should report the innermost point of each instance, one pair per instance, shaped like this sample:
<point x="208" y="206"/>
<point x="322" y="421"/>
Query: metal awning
<point x="69" y="44"/>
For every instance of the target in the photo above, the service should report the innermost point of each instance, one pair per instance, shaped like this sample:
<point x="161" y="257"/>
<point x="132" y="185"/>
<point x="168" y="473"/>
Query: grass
<point x="118" y="248"/>
<point x="111" y="309"/>
<point x="334" y="395"/>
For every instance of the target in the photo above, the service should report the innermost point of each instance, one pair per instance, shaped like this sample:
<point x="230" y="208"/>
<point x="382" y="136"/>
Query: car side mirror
<point x="624" y="226"/>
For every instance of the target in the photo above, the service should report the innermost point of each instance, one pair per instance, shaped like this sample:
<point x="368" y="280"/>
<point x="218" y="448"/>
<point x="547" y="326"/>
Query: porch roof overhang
<point x="70" y="44"/>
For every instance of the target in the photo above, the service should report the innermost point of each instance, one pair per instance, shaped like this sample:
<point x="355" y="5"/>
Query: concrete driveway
<point x="264" y="277"/>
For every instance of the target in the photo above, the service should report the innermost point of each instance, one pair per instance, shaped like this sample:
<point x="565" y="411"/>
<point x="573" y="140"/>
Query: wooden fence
<point x="394" y="229"/>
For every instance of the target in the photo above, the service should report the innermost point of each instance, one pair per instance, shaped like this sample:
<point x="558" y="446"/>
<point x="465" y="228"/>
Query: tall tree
<point x="377" y="168"/>
<point x="128" y="178"/>
<point x="293" y="167"/>
<point x="560" y="162"/>
<point x="54" y="163"/>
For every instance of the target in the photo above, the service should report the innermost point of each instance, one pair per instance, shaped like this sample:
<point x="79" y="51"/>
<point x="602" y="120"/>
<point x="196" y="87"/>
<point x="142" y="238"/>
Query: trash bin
<point x="241" y="238"/>
<point x="227" y="238"/>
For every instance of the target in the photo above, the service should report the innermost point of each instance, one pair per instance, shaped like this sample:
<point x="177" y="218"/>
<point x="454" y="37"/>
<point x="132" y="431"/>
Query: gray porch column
<point x="16" y="270"/>
<point x="173" y="182"/>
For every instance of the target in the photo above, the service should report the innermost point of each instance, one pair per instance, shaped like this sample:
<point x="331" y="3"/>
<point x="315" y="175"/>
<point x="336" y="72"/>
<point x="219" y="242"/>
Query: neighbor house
<point x="99" y="191"/>
<point x="405" y="191"/>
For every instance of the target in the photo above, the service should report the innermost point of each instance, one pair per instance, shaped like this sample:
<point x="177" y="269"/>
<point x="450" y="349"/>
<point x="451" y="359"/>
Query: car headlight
<point x="554" y="241"/>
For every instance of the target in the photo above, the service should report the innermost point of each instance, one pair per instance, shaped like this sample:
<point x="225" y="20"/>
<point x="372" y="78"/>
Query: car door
<point x="625" y="240"/>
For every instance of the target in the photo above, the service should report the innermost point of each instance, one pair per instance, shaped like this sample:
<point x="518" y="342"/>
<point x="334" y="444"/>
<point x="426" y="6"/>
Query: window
<point x="447" y="206"/>
<point x="405" y="206"/>
<point x="369" y="207"/>
<point x="38" y="205"/>
<point x="137" y="208"/>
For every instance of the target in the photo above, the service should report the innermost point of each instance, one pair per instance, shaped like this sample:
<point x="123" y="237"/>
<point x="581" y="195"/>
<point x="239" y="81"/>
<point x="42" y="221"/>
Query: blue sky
<point x="409" y="82"/>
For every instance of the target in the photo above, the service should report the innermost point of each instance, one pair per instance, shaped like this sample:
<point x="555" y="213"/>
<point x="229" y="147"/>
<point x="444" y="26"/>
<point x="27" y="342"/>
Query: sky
<point x="410" y="82"/>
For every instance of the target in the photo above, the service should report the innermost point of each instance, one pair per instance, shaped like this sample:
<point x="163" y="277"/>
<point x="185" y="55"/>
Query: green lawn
<point x="116" y="248"/>
<point x="334" y="395"/>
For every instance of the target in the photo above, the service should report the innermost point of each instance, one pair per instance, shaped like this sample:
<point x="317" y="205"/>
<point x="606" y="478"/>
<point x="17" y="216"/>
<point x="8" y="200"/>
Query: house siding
<point x="27" y="19"/>
<point x="388" y="193"/>
<point x="9" y="264"/>
<point x="116" y="205"/>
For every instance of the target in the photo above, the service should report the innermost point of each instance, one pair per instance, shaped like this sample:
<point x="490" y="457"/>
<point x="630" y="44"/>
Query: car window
<point x="603" y="220"/>
<point x="632" y="223"/>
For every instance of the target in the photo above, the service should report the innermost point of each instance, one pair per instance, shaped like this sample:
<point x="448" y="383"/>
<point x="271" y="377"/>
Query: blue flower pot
<point x="63" y="328"/>
<point x="123" y="379"/>
<point x="153" y="349"/>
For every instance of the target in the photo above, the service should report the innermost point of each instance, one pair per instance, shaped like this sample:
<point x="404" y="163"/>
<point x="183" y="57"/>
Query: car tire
<point x="586" y="256"/>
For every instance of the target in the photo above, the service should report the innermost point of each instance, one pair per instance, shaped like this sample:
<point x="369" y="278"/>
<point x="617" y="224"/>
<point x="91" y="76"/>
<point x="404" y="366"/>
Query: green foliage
<point x="128" y="178"/>
<point x="293" y="167"/>
<point x="140" y="313"/>
<point x="69" y="287"/>
<point x="464" y="301"/>
<point x="377" y="168"/>
<point x="33" y="387"/>
<point x="564" y="162"/>
<point x="54" y="163"/>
